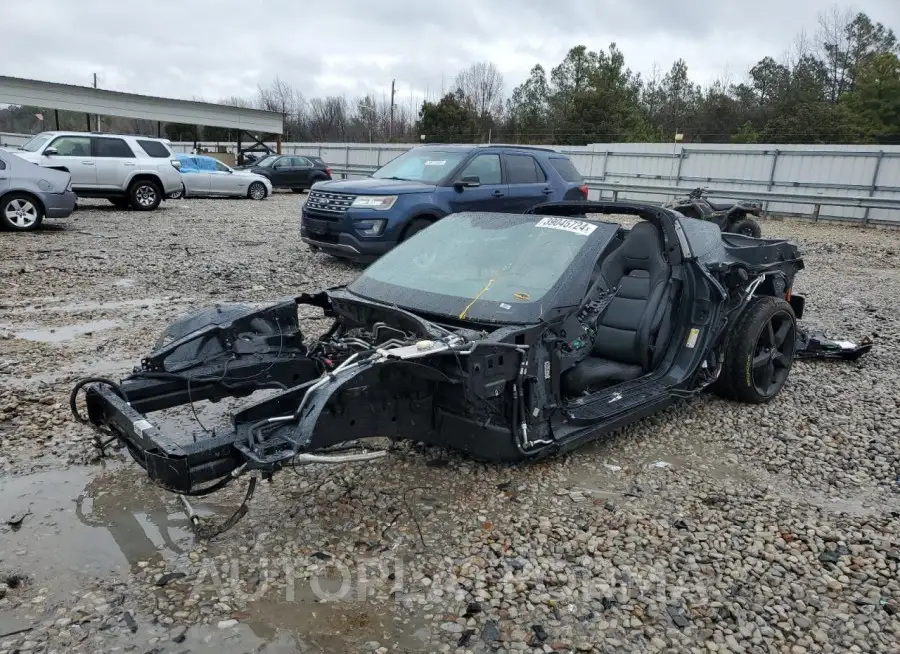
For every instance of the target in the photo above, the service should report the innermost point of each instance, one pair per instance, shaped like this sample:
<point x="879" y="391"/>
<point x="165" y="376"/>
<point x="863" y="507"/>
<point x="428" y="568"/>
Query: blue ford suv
<point x="361" y="219"/>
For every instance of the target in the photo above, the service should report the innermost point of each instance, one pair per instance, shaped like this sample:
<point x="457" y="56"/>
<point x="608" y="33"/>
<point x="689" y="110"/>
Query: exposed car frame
<point x="498" y="391"/>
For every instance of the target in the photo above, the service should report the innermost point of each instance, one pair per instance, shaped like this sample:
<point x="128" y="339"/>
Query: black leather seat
<point x="634" y="330"/>
<point x="720" y="206"/>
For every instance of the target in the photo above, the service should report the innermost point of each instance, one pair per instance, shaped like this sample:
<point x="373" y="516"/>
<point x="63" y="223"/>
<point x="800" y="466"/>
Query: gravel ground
<point x="713" y="527"/>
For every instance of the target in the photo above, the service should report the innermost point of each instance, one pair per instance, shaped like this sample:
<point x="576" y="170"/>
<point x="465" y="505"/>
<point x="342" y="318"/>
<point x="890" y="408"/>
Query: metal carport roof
<point x="84" y="99"/>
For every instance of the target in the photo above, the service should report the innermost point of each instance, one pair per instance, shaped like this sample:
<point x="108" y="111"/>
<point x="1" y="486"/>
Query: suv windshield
<point x="429" y="166"/>
<point x="478" y="266"/>
<point x="34" y="143"/>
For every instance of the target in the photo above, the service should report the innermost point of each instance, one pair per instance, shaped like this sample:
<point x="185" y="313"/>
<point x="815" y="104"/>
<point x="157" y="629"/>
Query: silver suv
<point x="135" y="171"/>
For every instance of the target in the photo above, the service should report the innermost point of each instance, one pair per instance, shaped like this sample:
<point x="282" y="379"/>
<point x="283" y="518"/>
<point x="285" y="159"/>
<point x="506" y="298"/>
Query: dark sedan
<point x="295" y="172"/>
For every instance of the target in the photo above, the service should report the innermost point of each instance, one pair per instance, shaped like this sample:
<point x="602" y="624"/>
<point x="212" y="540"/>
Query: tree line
<point x="841" y="85"/>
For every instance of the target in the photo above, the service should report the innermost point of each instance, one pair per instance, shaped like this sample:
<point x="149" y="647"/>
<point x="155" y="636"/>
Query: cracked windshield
<point x="494" y="258"/>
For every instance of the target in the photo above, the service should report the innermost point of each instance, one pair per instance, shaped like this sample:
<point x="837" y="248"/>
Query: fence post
<point x="346" y="162"/>
<point x="378" y="157"/>
<point x="874" y="183"/>
<point x="678" y="170"/>
<point x="605" y="162"/>
<point x="816" y="210"/>
<point x="771" y="179"/>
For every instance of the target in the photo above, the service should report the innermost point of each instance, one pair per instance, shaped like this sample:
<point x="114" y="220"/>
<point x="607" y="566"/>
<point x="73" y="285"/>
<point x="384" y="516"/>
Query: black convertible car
<point x="509" y="337"/>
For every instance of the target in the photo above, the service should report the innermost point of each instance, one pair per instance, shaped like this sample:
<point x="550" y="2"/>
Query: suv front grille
<point x="328" y="206"/>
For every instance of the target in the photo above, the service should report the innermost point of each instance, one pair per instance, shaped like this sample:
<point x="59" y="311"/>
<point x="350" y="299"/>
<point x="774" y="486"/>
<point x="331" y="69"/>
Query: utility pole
<point x="97" y="115"/>
<point x="391" y="127"/>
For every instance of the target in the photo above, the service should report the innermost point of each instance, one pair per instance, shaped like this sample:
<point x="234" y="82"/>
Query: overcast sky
<point x="212" y="49"/>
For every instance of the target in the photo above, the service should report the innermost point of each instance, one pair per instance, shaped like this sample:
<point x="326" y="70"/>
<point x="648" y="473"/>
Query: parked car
<point x="29" y="193"/>
<point x="131" y="171"/>
<point x="362" y="219"/>
<point x="295" y="172"/>
<point x="208" y="177"/>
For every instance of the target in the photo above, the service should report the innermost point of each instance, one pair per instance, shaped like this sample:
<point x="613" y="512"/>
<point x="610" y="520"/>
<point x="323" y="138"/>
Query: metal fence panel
<point x="773" y="172"/>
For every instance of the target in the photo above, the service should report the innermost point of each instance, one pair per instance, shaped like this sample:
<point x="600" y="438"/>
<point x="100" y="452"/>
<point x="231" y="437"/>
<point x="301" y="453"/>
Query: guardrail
<point x="817" y="201"/>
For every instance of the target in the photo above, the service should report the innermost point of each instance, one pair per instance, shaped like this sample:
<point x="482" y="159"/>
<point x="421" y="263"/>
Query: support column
<point x="874" y="185"/>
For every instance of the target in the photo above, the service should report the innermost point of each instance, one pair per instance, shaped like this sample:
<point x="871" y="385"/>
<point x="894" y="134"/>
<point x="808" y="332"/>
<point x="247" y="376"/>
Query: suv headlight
<point x="369" y="227"/>
<point x="378" y="202"/>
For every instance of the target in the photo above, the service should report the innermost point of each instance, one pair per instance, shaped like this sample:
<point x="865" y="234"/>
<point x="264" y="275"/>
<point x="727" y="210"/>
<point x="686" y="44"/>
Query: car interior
<point x="636" y="327"/>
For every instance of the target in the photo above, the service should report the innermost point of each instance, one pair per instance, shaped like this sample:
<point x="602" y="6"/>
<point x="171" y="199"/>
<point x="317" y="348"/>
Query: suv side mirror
<point x="469" y="181"/>
<point x="50" y="152"/>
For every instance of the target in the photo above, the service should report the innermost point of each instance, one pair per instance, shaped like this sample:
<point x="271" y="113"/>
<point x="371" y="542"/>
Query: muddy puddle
<point x="66" y="332"/>
<point x="86" y="523"/>
<point x="337" y="625"/>
<point x="80" y="525"/>
<point x="78" y="307"/>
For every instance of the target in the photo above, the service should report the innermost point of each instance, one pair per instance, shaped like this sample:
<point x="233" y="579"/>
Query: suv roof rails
<point x="518" y="147"/>
<point x="136" y="136"/>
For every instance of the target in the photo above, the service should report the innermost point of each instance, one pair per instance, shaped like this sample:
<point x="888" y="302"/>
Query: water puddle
<point x="66" y="332"/>
<point x="79" y="524"/>
<point x="78" y="307"/>
<point x="114" y="368"/>
<point x="709" y="466"/>
<point x="336" y="626"/>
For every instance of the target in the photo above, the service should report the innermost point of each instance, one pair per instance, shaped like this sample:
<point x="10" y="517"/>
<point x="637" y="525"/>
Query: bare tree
<point x="237" y="101"/>
<point x="834" y="37"/>
<point x="282" y="97"/>
<point x="481" y="85"/>
<point x="328" y="117"/>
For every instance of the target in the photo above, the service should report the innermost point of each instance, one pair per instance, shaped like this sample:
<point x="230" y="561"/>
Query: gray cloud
<point x="213" y="49"/>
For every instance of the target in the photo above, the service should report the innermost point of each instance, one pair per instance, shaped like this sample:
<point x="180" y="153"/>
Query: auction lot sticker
<point x="567" y="224"/>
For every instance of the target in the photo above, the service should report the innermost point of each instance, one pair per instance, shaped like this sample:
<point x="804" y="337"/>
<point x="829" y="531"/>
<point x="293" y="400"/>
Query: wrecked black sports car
<point x="509" y="337"/>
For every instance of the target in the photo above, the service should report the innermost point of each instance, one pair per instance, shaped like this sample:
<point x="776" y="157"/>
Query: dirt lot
<point x="714" y="527"/>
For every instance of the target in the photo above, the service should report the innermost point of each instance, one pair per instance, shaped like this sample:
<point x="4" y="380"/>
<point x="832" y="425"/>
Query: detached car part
<point x="815" y="345"/>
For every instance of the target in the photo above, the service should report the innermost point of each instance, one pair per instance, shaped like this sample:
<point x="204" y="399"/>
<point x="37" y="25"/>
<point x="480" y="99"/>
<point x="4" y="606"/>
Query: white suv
<point x="135" y="171"/>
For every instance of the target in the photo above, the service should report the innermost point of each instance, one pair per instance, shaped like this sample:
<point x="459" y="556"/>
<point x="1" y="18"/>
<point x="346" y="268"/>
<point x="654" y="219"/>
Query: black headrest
<point x="641" y="250"/>
<point x="642" y="241"/>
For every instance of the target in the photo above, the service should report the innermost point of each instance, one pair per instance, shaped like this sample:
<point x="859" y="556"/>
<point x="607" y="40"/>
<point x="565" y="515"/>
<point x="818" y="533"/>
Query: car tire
<point x="120" y="203"/>
<point x="759" y="352"/>
<point x="21" y="212"/>
<point x="747" y="227"/>
<point x="177" y="195"/>
<point x="257" y="191"/>
<point x="415" y="227"/>
<point x="144" y="195"/>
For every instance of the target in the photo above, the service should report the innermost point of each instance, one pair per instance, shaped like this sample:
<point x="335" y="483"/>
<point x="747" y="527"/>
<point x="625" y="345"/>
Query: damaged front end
<point x="379" y="371"/>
